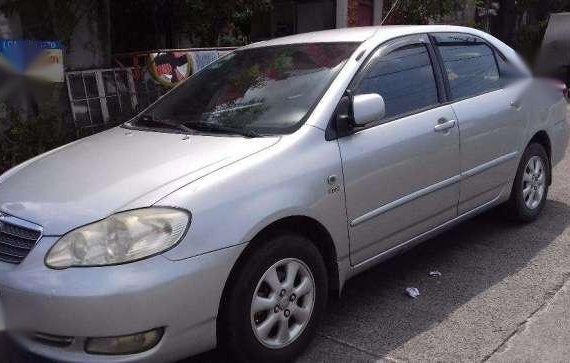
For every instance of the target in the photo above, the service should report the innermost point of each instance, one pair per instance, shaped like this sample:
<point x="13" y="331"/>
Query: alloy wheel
<point x="534" y="182"/>
<point x="282" y="303"/>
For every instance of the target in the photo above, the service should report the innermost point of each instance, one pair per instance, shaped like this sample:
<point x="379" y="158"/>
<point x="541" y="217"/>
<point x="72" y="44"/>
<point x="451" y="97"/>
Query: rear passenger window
<point x="509" y="72"/>
<point x="470" y="65"/>
<point x="404" y="78"/>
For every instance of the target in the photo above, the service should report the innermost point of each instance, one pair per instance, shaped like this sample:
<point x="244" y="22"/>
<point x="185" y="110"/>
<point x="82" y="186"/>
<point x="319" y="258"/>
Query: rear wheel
<point x="530" y="187"/>
<point x="274" y="302"/>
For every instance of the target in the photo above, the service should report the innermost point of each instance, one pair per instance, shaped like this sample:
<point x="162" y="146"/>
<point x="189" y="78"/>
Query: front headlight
<point x="120" y="238"/>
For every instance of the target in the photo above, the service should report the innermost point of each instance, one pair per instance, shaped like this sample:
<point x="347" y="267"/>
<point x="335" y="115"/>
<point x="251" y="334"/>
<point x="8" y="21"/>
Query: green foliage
<point x="24" y="139"/>
<point x="529" y="39"/>
<point x="422" y="11"/>
<point x="53" y="19"/>
<point x="150" y="24"/>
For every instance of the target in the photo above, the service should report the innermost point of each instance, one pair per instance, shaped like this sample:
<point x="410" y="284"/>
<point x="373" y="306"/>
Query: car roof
<point x="360" y="34"/>
<point x="380" y="34"/>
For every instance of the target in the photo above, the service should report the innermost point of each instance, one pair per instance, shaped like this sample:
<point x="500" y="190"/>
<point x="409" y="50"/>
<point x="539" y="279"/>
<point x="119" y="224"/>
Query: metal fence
<point x="103" y="97"/>
<point x="100" y="98"/>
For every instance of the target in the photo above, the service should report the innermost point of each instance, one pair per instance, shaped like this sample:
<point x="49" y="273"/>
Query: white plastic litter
<point x="413" y="292"/>
<point x="435" y="273"/>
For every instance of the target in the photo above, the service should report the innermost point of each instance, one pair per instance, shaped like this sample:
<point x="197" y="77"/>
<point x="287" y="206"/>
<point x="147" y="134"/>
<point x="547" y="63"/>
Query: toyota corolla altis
<point x="227" y="212"/>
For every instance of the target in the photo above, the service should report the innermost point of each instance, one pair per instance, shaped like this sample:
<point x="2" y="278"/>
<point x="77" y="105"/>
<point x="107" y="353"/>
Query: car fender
<point x="300" y="176"/>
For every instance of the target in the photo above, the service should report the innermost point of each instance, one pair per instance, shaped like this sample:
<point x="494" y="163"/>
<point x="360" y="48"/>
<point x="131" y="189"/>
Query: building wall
<point x="312" y="16"/>
<point x="10" y="26"/>
<point x="359" y="12"/>
<point x="293" y="17"/>
<point x="352" y="13"/>
<point x="86" y="49"/>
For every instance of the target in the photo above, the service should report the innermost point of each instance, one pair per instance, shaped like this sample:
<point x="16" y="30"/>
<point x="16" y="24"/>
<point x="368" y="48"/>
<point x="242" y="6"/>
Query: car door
<point x="491" y="124"/>
<point x="401" y="173"/>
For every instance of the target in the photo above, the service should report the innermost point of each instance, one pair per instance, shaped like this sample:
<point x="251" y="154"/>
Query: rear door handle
<point x="444" y="125"/>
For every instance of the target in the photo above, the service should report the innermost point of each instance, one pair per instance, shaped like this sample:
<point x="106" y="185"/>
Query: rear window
<point x="509" y="72"/>
<point x="470" y="65"/>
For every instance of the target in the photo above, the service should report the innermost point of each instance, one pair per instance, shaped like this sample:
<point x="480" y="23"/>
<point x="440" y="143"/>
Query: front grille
<point x="16" y="241"/>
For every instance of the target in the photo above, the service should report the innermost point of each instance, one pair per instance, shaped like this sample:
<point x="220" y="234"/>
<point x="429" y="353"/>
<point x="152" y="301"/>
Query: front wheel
<point x="274" y="302"/>
<point x="530" y="187"/>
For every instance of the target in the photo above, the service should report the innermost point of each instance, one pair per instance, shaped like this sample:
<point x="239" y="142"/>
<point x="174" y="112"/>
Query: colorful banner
<point x="169" y="68"/>
<point x="42" y="60"/>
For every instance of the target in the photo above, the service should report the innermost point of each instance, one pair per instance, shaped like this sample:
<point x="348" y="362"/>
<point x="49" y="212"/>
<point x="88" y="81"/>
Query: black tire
<point x="516" y="208"/>
<point x="235" y="332"/>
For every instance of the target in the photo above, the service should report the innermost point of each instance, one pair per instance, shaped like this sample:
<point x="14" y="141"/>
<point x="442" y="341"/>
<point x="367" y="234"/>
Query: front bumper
<point x="182" y="297"/>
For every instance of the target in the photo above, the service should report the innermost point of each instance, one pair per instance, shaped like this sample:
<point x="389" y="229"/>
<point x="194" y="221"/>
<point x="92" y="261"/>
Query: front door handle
<point x="444" y="125"/>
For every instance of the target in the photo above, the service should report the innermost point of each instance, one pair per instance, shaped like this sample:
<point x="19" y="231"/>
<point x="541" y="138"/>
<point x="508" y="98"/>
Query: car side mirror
<point x="368" y="108"/>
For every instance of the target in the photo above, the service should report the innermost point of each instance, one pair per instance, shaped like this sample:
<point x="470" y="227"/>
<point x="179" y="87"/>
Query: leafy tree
<point x="55" y="20"/>
<point x="151" y="24"/>
<point x="24" y="139"/>
<point x="138" y="24"/>
<point x="522" y="23"/>
<point x="420" y="11"/>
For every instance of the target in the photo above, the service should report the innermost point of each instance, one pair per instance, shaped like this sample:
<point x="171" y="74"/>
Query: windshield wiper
<point x="165" y="122"/>
<point x="214" y="127"/>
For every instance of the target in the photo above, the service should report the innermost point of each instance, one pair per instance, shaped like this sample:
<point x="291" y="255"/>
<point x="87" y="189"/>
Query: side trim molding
<point x="420" y="238"/>
<point x="432" y="188"/>
<point x="408" y="198"/>
<point x="488" y="165"/>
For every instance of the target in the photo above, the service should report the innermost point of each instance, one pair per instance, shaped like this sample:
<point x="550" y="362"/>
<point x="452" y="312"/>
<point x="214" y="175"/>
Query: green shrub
<point x="23" y="139"/>
<point x="528" y="41"/>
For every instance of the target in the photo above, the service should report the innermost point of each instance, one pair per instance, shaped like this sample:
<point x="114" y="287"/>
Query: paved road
<point x="502" y="285"/>
<point x="544" y="336"/>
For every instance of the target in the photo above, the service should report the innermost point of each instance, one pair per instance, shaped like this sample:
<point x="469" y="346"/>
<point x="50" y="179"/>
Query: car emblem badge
<point x="332" y="182"/>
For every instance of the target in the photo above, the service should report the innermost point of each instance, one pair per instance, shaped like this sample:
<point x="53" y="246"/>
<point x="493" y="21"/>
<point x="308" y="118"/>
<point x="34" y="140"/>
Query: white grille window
<point x="100" y="97"/>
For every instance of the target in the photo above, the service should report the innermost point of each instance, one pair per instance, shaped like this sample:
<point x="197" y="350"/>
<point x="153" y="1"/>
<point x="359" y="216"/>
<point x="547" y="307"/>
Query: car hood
<point x="116" y="170"/>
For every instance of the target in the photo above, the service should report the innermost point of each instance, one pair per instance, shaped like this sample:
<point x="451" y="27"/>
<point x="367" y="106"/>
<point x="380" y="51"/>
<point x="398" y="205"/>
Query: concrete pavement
<point x="503" y="296"/>
<point x="544" y="336"/>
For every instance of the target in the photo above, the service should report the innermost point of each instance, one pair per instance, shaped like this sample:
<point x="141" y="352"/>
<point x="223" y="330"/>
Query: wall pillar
<point x="341" y="13"/>
<point x="378" y="11"/>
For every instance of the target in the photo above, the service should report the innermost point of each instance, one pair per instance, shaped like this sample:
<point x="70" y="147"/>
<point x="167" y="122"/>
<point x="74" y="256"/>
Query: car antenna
<point x="390" y="11"/>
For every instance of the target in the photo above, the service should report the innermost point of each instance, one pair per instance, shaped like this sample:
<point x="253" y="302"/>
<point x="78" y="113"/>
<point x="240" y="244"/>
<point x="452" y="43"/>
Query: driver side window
<point x="404" y="78"/>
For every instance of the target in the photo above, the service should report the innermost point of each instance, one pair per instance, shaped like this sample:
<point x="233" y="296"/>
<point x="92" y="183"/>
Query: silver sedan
<point x="227" y="212"/>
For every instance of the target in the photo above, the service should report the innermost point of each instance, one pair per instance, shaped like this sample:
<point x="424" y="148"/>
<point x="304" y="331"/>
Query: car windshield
<point x="267" y="90"/>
